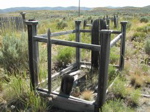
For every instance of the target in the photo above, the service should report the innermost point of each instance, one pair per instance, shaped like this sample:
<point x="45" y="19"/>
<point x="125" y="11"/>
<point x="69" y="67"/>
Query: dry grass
<point x="87" y="95"/>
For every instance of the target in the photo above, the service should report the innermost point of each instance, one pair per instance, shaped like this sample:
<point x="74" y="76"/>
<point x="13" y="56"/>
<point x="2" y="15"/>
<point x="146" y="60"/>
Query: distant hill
<point x="14" y="9"/>
<point x="127" y="9"/>
<point x="108" y="9"/>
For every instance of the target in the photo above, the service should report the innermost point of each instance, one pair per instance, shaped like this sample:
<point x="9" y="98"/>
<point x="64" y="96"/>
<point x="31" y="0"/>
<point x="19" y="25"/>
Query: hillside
<point x="108" y="9"/>
<point x="14" y="9"/>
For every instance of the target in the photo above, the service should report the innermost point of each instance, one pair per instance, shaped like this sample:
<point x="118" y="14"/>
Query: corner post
<point x="77" y="28"/>
<point x="33" y="53"/>
<point x="122" y="48"/>
<point x="103" y="68"/>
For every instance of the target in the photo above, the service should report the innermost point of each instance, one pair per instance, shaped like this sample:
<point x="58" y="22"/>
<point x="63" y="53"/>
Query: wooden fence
<point x="103" y="48"/>
<point x="13" y="22"/>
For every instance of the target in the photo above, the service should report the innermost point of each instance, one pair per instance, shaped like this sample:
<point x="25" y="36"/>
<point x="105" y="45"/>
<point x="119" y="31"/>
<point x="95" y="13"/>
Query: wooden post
<point x="103" y="69"/>
<point x="49" y="59"/>
<point x="77" y="26"/>
<point x="122" y="48"/>
<point x="115" y="22"/>
<point x="33" y="53"/>
<point x="23" y="18"/>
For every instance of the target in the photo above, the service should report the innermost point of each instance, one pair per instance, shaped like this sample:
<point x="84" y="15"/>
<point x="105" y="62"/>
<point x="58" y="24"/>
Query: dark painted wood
<point x="95" y="40"/>
<point x="77" y="27"/>
<point x="122" y="49"/>
<point x="103" y="68"/>
<point x="49" y="55"/>
<point x="33" y="53"/>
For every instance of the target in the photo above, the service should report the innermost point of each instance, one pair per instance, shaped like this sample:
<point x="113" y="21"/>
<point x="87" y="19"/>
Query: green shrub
<point x="116" y="106"/>
<point x="119" y="88"/>
<point x="111" y="73"/>
<point x="134" y="96"/>
<point x="144" y="20"/>
<point x="14" y="54"/>
<point x="62" y="24"/>
<point x="64" y="56"/>
<point x="147" y="47"/>
<point x="139" y="36"/>
<point x="114" y="55"/>
<point x="129" y="25"/>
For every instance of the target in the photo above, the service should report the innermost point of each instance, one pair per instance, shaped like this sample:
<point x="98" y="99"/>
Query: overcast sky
<point x="64" y="3"/>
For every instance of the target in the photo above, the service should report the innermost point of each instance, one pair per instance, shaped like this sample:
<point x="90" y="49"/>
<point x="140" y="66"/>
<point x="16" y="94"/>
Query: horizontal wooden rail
<point x="76" y="44"/>
<point x="113" y="42"/>
<point x="62" y="72"/>
<point x="85" y="31"/>
<point x="58" y="33"/>
<point x="115" y="32"/>
<point x="89" y="25"/>
<point x="69" y="43"/>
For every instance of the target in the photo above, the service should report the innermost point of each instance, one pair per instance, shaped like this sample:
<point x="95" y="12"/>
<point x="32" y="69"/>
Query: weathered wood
<point x="23" y="18"/>
<point x="33" y="52"/>
<point x="62" y="72"/>
<point x="76" y="44"/>
<point x="85" y="31"/>
<point x="72" y="104"/>
<point x="58" y="33"/>
<point x="95" y="40"/>
<point x="66" y="84"/>
<point x="103" y="68"/>
<point x="69" y="43"/>
<point x="89" y="25"/>
<point x="113" y="42"/>
<point x="49" y="59"/>
<point x="122" y="48"/>
<point x="77" y="26"/>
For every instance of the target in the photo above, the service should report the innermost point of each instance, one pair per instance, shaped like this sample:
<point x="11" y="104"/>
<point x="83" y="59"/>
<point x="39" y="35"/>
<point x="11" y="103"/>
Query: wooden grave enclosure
<point x="102" y="48"/>
<point x="107" y="19"/>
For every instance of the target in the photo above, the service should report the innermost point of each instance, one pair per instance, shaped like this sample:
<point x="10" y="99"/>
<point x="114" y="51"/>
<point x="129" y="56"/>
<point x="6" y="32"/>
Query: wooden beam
<point x="116" y="39"/>
<point x="58" y="33"/>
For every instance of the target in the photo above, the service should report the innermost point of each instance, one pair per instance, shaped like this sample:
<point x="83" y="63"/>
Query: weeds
<point x="116" y="106"/>
<point x="64" y="56"/>
<point x="14" y="54"/>
<point x="147" y="47"/>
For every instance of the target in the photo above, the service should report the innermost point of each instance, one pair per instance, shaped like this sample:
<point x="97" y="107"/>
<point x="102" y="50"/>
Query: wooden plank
<point x="76" y="44"/>
<point x="72" y="104"/>
<point x="64" y="71"/>
<point x="69" y="43"/>
<point x="116" y="39"/>
<point x="85" y="31"/>
<point x="69" y="103"/>
<point x="115" y="32"/>
<point x="88" y="25"/>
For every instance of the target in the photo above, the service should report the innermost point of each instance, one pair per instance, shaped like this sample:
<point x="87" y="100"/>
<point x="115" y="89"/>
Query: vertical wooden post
<point x="103" y="68"/>
<point x="77" y="26"/>
<point x="122" y="48"/>
<point x="33" y="53"/>
<point x="49" y="59"/>
<point x="23" y="18"/>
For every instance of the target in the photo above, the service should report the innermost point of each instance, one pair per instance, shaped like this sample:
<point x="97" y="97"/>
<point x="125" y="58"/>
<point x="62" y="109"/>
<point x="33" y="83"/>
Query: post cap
<point x="31" y="22"/>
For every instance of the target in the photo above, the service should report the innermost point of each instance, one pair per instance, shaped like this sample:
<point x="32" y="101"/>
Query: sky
<point x="64" y="3"/>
